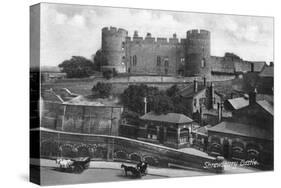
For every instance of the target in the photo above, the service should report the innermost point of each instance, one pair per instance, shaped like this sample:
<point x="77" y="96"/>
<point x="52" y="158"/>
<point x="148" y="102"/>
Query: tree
<point x="102" y="90"/>
<point x="99" y="60"/>
<point x="108" y="74"/>
<point x="133" y="97"/>
<point x="77" y="67"/>
<point x="172" y="91"/>
<point x="162" y="104"/>
<point x="180" y="105"/>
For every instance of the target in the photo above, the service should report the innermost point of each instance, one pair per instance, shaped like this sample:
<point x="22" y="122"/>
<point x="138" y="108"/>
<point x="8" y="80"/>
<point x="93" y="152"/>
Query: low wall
<point x="103" y="147"/>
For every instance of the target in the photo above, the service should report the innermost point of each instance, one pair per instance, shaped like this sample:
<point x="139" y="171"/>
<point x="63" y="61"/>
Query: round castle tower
<point x="197" y="53"/>
<point x="113" y="47"/>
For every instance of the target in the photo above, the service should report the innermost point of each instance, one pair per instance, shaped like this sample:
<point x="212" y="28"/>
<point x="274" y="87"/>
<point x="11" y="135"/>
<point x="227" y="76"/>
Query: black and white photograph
<point x="122" y="94"/>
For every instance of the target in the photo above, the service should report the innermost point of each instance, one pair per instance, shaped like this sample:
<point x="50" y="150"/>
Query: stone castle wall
<point x="113" y="40"/>
<point x="160" y="56"/>
<point x="153" y="55"/>
<point x="190" y="56"/>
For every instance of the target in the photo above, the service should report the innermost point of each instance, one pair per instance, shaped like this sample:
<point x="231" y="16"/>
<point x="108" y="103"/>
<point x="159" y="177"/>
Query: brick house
<point x="247" y="135"/>
<point x="172" y="129"/>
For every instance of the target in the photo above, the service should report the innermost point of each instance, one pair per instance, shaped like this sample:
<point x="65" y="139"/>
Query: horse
<point x="131" y="169"/>
<point x="64" y="163"/>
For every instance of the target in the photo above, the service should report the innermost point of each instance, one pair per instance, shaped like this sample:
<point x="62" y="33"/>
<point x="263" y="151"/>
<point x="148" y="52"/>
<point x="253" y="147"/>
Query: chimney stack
<point x="195" y="85"/>
<point x="136" y="34"/>
<point x="212" y="92"/>
<point x="219" y="112"/>
<point x="252" y="67"/>
<point x="252" y="97"/>
<point x="201" y="116"/>
<point x="204" y="81"/>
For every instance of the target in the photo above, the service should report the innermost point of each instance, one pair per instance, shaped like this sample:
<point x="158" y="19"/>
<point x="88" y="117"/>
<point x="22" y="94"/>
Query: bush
<point x="102" y="90"/>
<point x="108" y="74"/>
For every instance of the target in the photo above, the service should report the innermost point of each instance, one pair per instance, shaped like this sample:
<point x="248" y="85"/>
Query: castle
<point x="189" y="56"/>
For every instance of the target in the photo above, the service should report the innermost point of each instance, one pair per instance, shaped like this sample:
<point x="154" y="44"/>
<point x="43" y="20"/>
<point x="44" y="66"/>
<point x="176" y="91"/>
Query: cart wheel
<point x="78" y="169"/>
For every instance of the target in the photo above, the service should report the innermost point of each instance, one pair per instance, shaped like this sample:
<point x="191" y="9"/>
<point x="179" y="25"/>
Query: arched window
<point x="166" y="62"/>
<point x="158" y="61"/>
<point x="134" y="60"/>
<point x="184" y="134"/>
<point x="152" y="132"/>
<point x="182" y="60"/>
<point x="203" y="62"/>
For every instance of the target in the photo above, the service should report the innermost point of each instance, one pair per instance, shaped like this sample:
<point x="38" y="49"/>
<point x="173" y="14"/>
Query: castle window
<point x="203" y="62"/>
<point x="134" y="60"/>
<point x="166" y="62"/>
<point x="130" y="61"/>
<point x="158" y="60"/>
<point x="182" y="60"/>
<point x="123" y="45"/>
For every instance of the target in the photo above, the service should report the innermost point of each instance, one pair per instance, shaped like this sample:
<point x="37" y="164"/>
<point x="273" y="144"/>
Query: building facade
<point x="190" y="56"/>
<point x="172" y="129"/>
<point x="248" y="135"/>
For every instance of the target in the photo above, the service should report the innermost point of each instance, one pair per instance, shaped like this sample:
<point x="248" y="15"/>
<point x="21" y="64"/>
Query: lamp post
<point x="110" y="134"/>
<point x="145" y="105"/>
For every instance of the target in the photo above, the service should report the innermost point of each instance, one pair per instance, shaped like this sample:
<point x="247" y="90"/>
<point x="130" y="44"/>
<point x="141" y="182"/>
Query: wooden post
<point x="83" y="118"/>
<point x="63" y="116"/>
<point x="178" y="135"/>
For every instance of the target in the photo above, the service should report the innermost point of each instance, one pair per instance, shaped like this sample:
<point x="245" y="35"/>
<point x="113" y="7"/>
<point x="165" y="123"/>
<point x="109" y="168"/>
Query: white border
<point x="15" y="98"/>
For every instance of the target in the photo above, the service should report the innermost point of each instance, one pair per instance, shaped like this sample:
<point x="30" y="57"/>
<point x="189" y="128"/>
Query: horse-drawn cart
<point x="76" y="165"/>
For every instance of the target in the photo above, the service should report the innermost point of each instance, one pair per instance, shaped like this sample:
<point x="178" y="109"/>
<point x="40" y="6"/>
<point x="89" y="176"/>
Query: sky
<point x="73" y="30"/>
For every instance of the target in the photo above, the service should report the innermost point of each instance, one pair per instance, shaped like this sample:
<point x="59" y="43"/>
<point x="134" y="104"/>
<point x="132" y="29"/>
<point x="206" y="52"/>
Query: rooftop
<point x="268" y="71"/>
<point x="241" y="130"/>
<point x="238" y="103"/>
<point x="203" y="130"/>
<point x="169" y="118"/>
<point x="266" y="106"/>
<point x="51" y="96"/>
<point x="88" y="101"/>
<point x="189" y="90"/>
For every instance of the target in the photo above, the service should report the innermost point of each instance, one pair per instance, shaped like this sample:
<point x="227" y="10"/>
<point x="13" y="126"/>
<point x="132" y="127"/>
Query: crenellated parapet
<point x="114" y="30"/>
<point x="154" y="40"/>
<point x="198" y="33"/>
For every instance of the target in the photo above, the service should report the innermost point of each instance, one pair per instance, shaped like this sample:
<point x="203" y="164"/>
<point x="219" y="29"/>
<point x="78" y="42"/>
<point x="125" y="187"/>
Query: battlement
<point x="197" y="33"/>
<point x="114" y="30"/>
<point x="162" y="40"/>
<point x="159" y="40"/>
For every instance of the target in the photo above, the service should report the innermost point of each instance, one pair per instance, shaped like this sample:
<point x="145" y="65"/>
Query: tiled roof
<point x="267" y="72"/>
<point x="238" y="103"/>
<point x="242" y="66"/>
<point x="203" y="130"/>
<point x="189" y="90"/>
<point x="266" y="106"/>
<point x="268" y="98"/>
<point x="241" y="130"/>
<point x="50" y="95"/>
<point x="170" y="118"/>
<point x="258" y="65"/>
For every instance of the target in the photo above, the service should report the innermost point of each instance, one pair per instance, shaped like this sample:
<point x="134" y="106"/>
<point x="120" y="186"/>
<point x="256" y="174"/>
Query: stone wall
<point x="147" y="51"/>
<point x="101" y="147"/>
<point x="241" y="148"/>
<point x="83" y="119"/>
